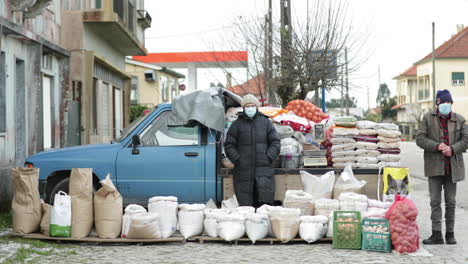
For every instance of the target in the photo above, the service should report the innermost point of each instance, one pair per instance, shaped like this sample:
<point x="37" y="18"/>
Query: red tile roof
<point x="253" y="86"/>
<point x="398" y="106"/>
<point x="455" y="47"/>
<point x="411" y="71"/>
<point x="211" y="56"/>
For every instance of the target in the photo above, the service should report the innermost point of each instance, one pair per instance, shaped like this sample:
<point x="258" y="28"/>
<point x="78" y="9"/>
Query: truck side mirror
<point x="135" y="143"/>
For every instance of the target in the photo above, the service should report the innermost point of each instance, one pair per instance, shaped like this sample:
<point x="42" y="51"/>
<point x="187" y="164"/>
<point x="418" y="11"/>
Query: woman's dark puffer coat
<point x="252" y="144"/>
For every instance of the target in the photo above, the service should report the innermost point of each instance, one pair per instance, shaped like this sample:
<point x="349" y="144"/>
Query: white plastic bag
<point x="60" y="216"/>
<point x="389" y="157"/>
<point x="368" y="132"/>
<point x="387" y="126"/>
<point x="144" y="226"/>
<point x="343" y="160"/>
<point x="318" y="186"/>
<point x="388" y="133"/>
<point x="388" y="139"/>
<point x="130" y="210"/>
<point x="191" y="219"/>
<point x="257" y="226"/>
<point x="231" y="226"/>
<point x="329" y="233"/>
<point x="283" y="131"/>
<point x="285" y="223"/>
<point x="366" y="165"/>
<point x="336" y="141"/>
<point x="243" y="210"/>
<point x="343" y="147"/>
<point x="347" y="182"/>
<point x="366" y="159"/>
<point x="365" y="124"/>
<point x="301" y="200"/>
<point x="325" y="206"/>
<point x="353" y="202"/>
<point x="210" y="223"/>
<point x="266" y="209"/>
<point x="166" y="207"/>
<point x="389" y="164"/>
<point x="373" y="212"/>
<point x="347" y="153"/>
<point x="337" y="132"/>
<point x="230" y="203"/>
<point x="367" y="152"/>
<point x="366" y="145"/>
<point x="388" y="144"/>
<point x="313" y="228"/>
<point x="211" y="204"/>
<point x="290" y="146"/>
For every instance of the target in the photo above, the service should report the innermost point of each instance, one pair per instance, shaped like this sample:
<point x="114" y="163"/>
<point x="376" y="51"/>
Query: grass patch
<point x="5" y="220"/>
<point x="35" y="243"/>
<point x="28" y="254"/>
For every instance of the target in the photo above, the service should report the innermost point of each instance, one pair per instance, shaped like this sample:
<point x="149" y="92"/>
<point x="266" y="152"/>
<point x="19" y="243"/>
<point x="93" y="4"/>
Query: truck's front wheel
<point x="62" y="185"/>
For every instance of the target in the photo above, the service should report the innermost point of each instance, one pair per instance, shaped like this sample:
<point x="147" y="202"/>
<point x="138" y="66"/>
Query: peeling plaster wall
<point x="27" y="43"/>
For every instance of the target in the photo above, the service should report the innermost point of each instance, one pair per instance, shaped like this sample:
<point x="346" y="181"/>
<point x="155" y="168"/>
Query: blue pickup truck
<point x="150" y="158"/>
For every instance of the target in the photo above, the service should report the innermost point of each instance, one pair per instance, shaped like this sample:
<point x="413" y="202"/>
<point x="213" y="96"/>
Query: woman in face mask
<point x="252" y="144"/>
<point x="443" y="135"/>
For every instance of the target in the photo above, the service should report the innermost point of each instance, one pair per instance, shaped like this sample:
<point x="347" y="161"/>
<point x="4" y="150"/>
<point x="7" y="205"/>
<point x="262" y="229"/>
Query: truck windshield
<point x="128" y="130"/>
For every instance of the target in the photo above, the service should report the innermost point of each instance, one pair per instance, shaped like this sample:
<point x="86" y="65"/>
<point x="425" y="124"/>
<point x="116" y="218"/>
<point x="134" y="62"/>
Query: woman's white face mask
<point x="250" y="111"/>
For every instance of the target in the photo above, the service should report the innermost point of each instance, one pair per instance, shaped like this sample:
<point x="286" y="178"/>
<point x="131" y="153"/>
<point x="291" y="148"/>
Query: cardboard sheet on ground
<point x="206" y="106"/>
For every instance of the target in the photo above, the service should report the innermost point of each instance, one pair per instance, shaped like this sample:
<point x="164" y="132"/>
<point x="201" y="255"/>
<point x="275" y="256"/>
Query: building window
<point x="164" y="89"/>
<point x="47" y="61"/>
<point x="173" y="89"/>
<point x="458" y="78"/>
<point x="2" y="93"/>
<point x="47" y="111"/>
<point x="134" y="91"/>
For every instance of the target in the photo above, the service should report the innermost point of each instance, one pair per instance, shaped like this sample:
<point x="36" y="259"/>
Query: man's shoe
<point x="435" y="239"/>
<point x="450" y="238"/>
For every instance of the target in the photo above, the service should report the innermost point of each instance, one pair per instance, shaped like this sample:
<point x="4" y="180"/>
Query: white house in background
<point x="451" y="66"/>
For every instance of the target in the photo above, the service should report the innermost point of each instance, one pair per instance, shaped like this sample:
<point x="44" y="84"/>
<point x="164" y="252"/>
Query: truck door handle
<point x="191" y="154"/>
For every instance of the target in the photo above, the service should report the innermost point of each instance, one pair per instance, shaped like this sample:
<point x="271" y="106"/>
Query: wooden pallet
<point x="271" y="241"/>
<point x="178" y="238"/>
<point x="98" y="240"/>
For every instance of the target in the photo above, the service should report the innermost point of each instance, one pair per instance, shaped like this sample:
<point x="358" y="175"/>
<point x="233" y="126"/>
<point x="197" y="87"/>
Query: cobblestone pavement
<point x="215" y="252"/>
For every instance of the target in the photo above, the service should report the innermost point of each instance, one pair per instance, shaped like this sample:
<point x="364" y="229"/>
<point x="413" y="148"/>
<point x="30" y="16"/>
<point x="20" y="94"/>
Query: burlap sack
<point x="81" y="194"/>
<point x="108" y="210"/>
<point x="45" y="222"/>
<point x="26" y="205"/>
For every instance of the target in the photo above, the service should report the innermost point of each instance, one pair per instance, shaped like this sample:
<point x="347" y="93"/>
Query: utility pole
<point x="433" y="63"/>
<point x="368" y="98"/>
<point x="347" y="83"/>
<point x="341" y="85"/>
<point x="286" y="42"/>
<point x="269" y="56"/>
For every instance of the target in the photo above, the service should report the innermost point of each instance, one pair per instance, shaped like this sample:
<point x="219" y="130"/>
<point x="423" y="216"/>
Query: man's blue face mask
<point x="250" y="111"/>
<point x="445" y="108"/>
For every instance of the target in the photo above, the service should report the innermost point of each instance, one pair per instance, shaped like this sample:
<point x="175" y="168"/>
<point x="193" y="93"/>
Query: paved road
<point x="281" y="253"/>
<point x="412" y="157"/>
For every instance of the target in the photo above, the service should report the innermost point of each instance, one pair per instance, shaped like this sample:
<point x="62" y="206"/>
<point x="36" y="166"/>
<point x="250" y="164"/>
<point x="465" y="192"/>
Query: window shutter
<point x="458" y="76"/>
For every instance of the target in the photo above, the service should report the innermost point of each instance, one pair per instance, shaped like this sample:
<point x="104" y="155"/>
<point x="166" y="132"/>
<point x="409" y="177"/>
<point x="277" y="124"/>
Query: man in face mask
<point x="443" y="135"/>
<point x="252" y="144"/>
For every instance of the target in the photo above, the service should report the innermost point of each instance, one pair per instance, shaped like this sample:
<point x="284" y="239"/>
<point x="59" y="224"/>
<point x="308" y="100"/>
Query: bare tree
<point x="316" y="56"/>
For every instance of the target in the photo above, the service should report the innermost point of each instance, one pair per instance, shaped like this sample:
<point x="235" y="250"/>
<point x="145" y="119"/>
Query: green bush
<point x="136" y="111"/>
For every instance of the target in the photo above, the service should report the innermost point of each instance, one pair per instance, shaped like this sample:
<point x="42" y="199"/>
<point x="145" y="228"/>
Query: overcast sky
<point x="399" y="32"/>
